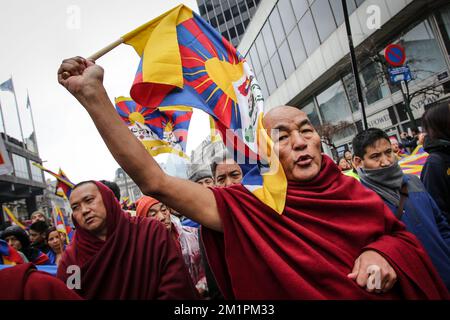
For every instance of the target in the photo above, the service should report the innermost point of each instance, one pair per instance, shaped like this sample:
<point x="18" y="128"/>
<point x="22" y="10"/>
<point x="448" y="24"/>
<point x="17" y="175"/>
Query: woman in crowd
<point x="343" y="164"/>
<point x="56" y="242"/>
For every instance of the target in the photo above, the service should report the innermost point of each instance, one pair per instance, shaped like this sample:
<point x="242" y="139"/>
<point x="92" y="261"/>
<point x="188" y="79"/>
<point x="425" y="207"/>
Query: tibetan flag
<point x="187" y="63"/>
<point x="64" y="186"/>
<point x="125" y="203"/>
<point x="12" y="218"/>
<point x="413" y="164"/>
<point x="59" y="222"/>
<point x="9" y="255"/>
<point x="63" y="183"/>
<point x="160" y="131"/>
<point x="7" y="85"/>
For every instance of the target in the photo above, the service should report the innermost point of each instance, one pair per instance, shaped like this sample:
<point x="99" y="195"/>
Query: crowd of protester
<point x="209" y="238"/>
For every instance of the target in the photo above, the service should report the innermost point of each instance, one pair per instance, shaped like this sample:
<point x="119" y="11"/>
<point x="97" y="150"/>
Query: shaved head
<point x="296" y="142"/>
<point x="279" y="113"/>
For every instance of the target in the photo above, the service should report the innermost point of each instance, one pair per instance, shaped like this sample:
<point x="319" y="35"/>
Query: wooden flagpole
<point x="106" y="49"/>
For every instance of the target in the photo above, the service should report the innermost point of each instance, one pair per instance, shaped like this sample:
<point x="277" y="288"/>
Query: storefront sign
<point x="380" y="120"/>
<point x="418" y="104"/>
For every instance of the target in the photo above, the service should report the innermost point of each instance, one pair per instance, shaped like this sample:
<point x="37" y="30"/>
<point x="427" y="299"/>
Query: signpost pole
<point x="354" y="65"/>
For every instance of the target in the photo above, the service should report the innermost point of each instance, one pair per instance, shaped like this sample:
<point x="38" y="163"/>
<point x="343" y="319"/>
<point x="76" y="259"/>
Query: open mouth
<point x="304" y="160"/>
<point x="89" y="220"/>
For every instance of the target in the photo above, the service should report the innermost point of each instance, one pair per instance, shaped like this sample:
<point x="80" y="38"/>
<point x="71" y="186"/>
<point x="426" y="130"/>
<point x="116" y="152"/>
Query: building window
<point x="232" y="32"/>
<point x="262" y="83"/>
<point x="239" y="28"/>
<point x="309" y="33"/>
<point x="351" y="6"/>
<point x="227" y="15"/>
<point x="234" y="11"/>
<point x="424" y="56"/>
<point x="220" y="18"/>
<point x="296" y="45"/>
<point x="300" y="7"/>
<point x="255" y="59"/>
<point x="335" y="110"/>
<point x="20" y="166"/>
<point x="270" y="81"/>
<point x="311" y="112"/>
<point x="350" y="87"/>
<point x="261" y="49"/>
<point x="202" y="9"/>
<point x="443" y="19"/>
<point x="277" y="69"/>
<point x="213" y="22"/>
<point x="338" y="11"/>
<point x="287" y="14"/>
<point x="333" y="104"/>
<point x="374" y="84"/>
<point x="324" y="18"/>
<point x="277" y="27"/>
<point x="36" y="173"/>
<point x="268" y="39"/>
<point x="286" y="59"/>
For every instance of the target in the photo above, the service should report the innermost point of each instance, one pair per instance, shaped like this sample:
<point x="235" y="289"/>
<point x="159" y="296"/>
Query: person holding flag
<point x="316" y="243"/>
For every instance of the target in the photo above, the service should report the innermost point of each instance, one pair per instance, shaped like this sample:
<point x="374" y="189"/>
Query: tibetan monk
<point x="321" y="247"/>
<point x="120" y="257"/>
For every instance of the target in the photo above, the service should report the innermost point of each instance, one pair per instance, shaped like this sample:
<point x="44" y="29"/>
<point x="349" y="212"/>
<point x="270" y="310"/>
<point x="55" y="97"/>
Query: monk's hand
<point x="81" y="77"/>
<point x="373" y="272"/>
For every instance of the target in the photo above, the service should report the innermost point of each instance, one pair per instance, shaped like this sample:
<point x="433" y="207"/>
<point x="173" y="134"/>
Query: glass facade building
<point x="290" y="45"/>
<point x="229" y="17"/>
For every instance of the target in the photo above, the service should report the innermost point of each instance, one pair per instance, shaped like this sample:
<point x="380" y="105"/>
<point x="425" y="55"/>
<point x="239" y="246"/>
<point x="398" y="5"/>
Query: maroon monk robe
<point x="24" y="282"/>
<point x="308" y="251"/>
<point x="138" y="260"/>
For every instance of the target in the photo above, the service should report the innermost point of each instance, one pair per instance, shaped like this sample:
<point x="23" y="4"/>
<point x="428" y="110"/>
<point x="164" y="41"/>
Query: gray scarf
<point x="387" y="182"/>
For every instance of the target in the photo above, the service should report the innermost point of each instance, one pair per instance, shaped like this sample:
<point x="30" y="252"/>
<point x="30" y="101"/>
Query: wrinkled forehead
<point x="82" y="191"/>
<point x="227" y="166"/>
<point x="283" y="116"/>
<point x="378" y="146"/>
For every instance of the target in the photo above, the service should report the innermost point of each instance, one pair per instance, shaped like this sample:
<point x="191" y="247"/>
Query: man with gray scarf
<point x="404" y="194"/>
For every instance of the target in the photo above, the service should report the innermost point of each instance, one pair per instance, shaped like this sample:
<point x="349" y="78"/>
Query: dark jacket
<point x="436" y="173"/>
<point x="424" y="219"/>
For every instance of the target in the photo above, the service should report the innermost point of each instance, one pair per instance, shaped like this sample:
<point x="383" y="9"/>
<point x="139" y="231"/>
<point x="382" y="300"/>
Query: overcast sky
<point x="35" y="37"/>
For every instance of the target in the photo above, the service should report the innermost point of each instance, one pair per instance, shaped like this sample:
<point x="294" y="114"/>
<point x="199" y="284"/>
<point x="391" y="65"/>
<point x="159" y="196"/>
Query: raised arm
<point x="84" y="79"/>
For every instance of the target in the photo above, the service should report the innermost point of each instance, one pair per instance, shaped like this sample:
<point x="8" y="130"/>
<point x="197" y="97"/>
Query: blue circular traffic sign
<point x="395" y="55"/>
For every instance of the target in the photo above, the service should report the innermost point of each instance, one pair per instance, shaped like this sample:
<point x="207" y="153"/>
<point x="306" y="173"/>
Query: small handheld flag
<point x="63" y="185"/>
<point x="12" y="218"/>
<point x="160" y="131"/>
<point x="59" y="222"/>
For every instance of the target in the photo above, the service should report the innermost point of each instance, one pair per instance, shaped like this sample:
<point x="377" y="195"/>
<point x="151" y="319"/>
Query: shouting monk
<point x="331" y="231"/>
